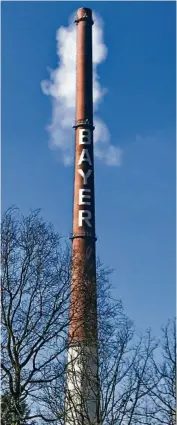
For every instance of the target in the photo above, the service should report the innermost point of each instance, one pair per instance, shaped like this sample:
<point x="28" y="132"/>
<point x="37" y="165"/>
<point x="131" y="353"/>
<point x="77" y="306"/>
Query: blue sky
<point x="135" y="202"/>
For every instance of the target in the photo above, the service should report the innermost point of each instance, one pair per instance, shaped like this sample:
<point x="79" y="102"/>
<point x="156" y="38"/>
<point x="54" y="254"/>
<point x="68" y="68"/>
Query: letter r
<point x="85" y="215"/>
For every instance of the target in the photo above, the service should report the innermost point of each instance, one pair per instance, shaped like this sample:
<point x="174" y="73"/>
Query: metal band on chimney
<point x="84" y="18"/>
<point x="83" y="235"/>
<point x="84" y="123"/>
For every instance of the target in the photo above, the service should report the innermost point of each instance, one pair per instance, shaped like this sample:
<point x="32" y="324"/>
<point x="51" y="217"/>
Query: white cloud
<point x="62" y="88"/>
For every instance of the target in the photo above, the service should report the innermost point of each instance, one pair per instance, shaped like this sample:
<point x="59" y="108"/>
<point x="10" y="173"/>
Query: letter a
<point x="84" y="157"/>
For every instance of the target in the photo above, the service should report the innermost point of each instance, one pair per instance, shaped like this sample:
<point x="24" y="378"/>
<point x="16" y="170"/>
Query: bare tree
<point x="36" y="277"/>
<point x="134" y="388"/>
<point x="35" y="295"/>
<point x="9" y="412"/>
<point x="162" y="402"/>
<point x="125" y="368"/>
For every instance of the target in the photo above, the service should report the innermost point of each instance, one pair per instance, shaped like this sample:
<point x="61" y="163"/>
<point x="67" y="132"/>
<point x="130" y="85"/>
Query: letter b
<point x="84" y="136"/>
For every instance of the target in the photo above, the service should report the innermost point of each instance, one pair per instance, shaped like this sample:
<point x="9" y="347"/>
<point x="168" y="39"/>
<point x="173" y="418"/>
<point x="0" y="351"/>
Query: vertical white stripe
<point x="82" y="386"/>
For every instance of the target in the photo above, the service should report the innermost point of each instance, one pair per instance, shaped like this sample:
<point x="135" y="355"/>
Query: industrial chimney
<point x="82" y="392"/>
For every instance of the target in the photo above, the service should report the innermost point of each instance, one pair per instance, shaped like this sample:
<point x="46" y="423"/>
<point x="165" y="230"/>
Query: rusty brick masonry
<point x="83" y="309"/>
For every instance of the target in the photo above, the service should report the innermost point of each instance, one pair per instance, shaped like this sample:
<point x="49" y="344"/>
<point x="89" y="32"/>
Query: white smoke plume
<point x="62" y="88"/>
